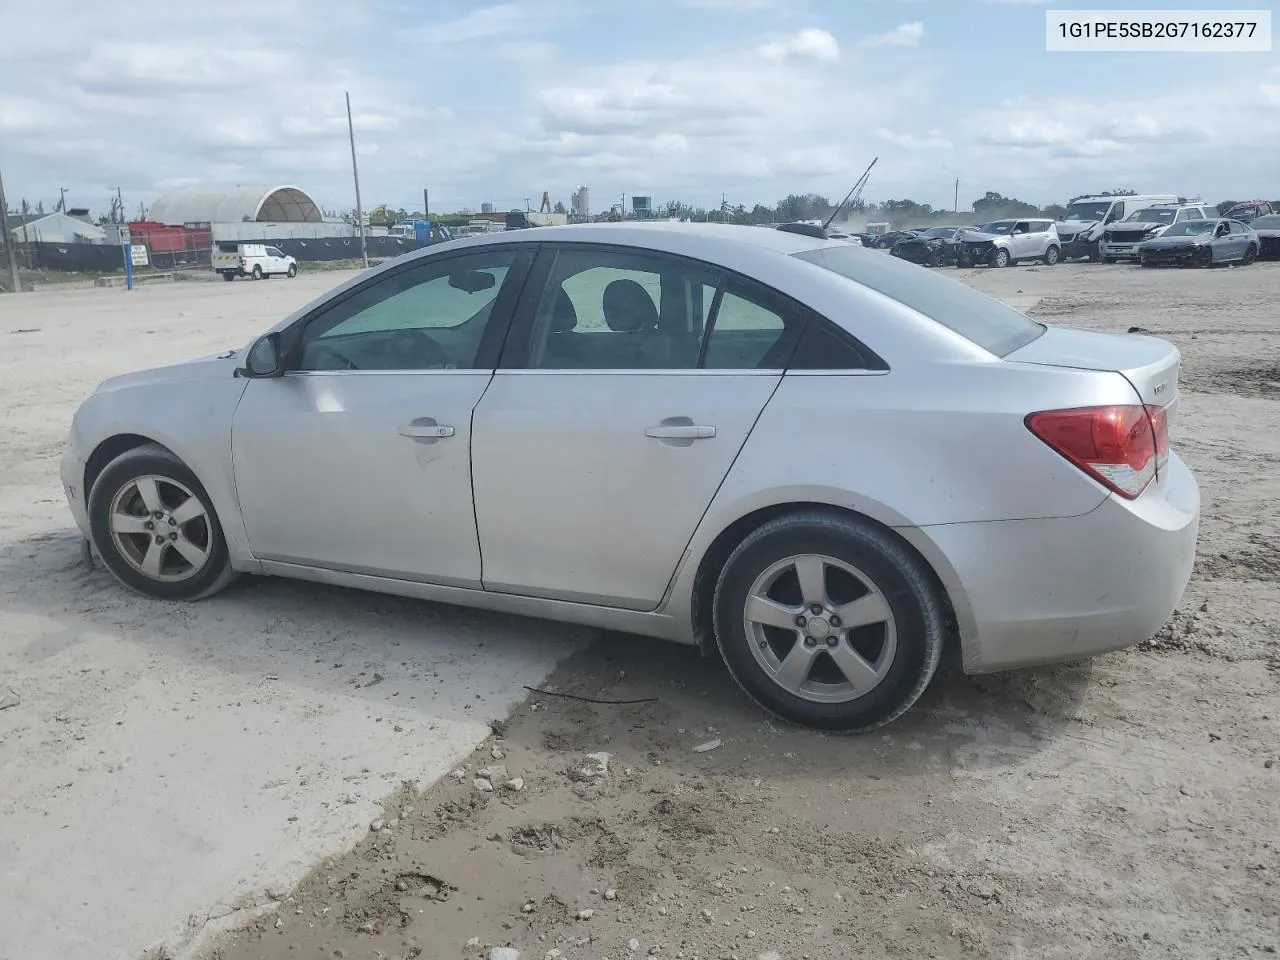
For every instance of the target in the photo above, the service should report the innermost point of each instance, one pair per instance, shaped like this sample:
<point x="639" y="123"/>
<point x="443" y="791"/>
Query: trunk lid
<point x="1151" y="365"/>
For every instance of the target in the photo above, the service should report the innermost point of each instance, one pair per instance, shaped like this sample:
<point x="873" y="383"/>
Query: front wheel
<point x="828" y="621"/>
<point x="1250" y="255"/>
<point x="1204" y="257"/>
<point x="1147" y="262"/>
<point x="155" y="528"/>
<point x="1000" y="258"/>
<point x="293" y="270"/>
<point x="1095" y="254"/>
<point x="1051" y="256"/>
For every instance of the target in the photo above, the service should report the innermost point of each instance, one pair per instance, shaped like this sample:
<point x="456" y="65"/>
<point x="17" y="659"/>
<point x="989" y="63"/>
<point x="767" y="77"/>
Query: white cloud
<point x="807" y="44"/>
<point x="903" y="35"/>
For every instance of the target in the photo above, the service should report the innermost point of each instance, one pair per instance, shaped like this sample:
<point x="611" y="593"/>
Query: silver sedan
<point x="822" y="463"/>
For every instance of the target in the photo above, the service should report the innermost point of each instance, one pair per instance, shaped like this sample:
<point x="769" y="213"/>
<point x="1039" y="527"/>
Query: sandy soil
<point x="1128" y="807"/>
<point x="1123" y="808"/>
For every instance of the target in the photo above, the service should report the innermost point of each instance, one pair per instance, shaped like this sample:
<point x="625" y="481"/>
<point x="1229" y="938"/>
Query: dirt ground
<point x="1128" y="807"/>
<point x="163" y="776"/>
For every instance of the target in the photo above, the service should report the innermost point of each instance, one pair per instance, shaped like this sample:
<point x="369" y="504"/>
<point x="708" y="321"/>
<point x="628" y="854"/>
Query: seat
<point x="631" y="314"/>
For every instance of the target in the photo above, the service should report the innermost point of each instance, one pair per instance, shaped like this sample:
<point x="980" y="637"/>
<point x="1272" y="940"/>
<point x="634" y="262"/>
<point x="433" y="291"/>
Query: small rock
<point x="493" y="773"/>
<point x="504" y="953"/>
<point x="653" y="951"/>
<point x="773" y="830"/>
<point x="554" y="954"/>
<point x="611" y="894"/>
<point x="515" y="784"/>
<point x="366" y="927"/>
<point x="458" y="775"/>
<point x="528" y="907"/>
<point x="1269" y="764"/>
<point x="708" y="746"/>
<point x="706" y="914"/>
<point x="402" y="885"/>
<point x="586" y="913"/>
<point x="662" y="911"/>
<point x="484" y="786"/>
<point x="393" y="823"/>
<point x="473" y="942"/>
<point x="496" y="753"/>
<point x="633" y="944"/>
<point x="751" y="934"/>
<point x="377" y="825"/>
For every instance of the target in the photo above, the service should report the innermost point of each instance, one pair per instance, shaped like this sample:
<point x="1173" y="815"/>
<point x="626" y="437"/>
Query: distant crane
<point x="545" y="206"/>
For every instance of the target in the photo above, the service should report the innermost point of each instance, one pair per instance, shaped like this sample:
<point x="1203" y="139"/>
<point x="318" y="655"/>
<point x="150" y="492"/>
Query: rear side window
<point x="753" y="329"/>
<point x="983" y="320"/>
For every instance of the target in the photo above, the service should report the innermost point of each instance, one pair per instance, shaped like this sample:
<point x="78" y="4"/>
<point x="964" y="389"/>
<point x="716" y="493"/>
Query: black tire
<point x="890" y="568"/>
<point x="1095" y="255"/>
<point x="112" y="484"/>
<point x="1051" y="256"/>
<point x="257" y="272"/>
<point x="293" y="270"/>
<point x="1147" y="262"/>
<point x="228" y="276"/>
<point x="1203" y="257"/>
<point x="1250" y="255"/>
<point x="1000" y="258"/>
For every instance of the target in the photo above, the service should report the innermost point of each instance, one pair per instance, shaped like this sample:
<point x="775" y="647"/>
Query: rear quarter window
<point x="982" y="320"/>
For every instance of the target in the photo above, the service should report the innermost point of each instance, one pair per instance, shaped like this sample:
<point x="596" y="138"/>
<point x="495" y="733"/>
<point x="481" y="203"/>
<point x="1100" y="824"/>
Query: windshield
<point x="1087" y="210"/>
<point x="938" y="233"/>
<point x="997" y="226"/>
<point x="1270" y="222"/>
<point x="1190" y="228"/>
<point x="1153" y="215"/>
<point x="978" y="318"/>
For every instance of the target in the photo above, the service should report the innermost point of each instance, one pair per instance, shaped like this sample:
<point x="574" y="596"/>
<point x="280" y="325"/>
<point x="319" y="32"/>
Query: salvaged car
<point x="1201" y="243"/>
<point x="1268" y="230"/>
<point x="1080" y="228"/>
<point x="1249" y="210"/>
<point x="820" y="463"/>
<point x="1002" y="243"/>
<point x="1120" y="241"/>
<point x="937" y="246"/>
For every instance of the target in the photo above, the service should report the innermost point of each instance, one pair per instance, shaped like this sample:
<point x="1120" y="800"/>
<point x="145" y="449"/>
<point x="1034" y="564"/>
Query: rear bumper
<point x="1031" y="592"/>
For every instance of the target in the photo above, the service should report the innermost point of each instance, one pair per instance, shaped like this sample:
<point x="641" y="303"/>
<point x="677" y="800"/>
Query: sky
<point x="687" y="100"/>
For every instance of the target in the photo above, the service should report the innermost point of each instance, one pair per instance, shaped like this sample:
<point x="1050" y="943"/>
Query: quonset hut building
<point x="247" y="213"/>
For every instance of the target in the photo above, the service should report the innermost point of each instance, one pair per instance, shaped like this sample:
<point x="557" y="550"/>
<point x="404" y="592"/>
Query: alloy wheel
<point x="160" y="528"/>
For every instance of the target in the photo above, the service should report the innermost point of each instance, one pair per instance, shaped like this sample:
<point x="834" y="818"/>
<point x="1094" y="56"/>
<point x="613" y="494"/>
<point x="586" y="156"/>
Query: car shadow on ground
<point x="413" y="654"/>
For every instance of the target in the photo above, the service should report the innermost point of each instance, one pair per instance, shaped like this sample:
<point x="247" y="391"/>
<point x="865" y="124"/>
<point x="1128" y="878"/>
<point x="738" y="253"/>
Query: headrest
<point x="628" y="307"/>
<point x="563" y="316"/>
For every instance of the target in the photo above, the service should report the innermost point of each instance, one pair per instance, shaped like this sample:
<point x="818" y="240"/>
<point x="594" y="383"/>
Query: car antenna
<point x="857" y="188"/>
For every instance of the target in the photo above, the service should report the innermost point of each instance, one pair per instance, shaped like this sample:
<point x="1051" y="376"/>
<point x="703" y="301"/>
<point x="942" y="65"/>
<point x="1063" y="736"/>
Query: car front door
<point x="276" y="262"/>
<point x="1022" y="242"/>
<point x="358" y="458"/>
<point x="628" y="387"/>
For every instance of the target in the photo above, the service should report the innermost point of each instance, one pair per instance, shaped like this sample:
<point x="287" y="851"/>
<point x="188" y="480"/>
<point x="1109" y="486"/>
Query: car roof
<point x="652" y="233"/>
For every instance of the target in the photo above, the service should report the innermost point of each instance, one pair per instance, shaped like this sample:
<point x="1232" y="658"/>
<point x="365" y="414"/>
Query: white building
<point x="580" y="202"/>
<point x="58" y="228"/>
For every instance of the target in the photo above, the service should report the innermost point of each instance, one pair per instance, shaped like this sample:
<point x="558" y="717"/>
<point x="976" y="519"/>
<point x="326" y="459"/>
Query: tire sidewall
<point x="1052" y="256"/>
<point x="917" y="622"/>
<point x="257" y="272"/>
<point x="129" y="466"/>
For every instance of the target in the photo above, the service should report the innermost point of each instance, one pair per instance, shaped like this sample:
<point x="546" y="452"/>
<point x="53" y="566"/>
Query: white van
<point x="256" y="260"/>
<point x="1081" y="227"/>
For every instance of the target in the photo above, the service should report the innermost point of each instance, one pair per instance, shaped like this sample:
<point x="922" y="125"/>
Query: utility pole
<point x="355" y="175"/>
<point x="11" y="253"/>
<point x="956" y="203"/>
<point x="426" y="205"/>
<point x="120" y="204"/>
<point x="62" y="199"/>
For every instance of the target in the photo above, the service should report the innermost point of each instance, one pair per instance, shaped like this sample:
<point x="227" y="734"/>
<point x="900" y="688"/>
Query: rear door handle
<point x="425" y="428"/>
<point x="680" y="429"/>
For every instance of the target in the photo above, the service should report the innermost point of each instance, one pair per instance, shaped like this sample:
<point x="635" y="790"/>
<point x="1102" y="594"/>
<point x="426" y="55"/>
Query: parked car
<point x="256" y="260"/>
<point x="936" y="246"/>
<point x="1267" y="229"/>
<point x="1080" y="228"/>
<point x="1120" y="241"/>
<point x="835" y="463"/>
<point x="852" y="238"/>
<point x="1201" y="243"/>
<point x="1002" y="243"/>
<point x="1250" y="210"/>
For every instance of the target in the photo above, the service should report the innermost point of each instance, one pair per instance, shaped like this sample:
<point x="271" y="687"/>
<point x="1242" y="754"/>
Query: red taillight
<point x="1120" y="446"/>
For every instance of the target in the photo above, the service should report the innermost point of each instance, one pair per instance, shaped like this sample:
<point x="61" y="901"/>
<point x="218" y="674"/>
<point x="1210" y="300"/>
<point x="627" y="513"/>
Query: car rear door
<point x="358" y="458"/>
<point x="629" y="384"/>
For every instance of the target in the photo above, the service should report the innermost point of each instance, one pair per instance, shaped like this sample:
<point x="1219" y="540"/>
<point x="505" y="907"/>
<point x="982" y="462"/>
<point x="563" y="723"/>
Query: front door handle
<point x="425" y="428"/>
<point x="680" y="431"/>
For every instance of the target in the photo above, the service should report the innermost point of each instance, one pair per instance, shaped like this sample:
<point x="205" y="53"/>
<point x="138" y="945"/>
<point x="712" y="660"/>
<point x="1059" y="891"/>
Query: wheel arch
<point x="108" y="450"/>
<point x="959" y="617"/>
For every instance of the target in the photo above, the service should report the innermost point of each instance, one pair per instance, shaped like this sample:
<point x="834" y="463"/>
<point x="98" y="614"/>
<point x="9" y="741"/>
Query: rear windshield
<point x="983" y="320"/>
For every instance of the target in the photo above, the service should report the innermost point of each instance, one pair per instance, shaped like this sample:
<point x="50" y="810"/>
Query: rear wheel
<point x="828" y="622"/>
<point x="227" y="275"/>
<point x="155" y="527"/>
<point x="1051" y="256"/>
<point x="257" y="272"/>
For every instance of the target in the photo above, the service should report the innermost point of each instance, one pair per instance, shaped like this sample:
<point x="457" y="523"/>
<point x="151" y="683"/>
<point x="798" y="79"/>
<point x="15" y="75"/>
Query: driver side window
<point x="430" y="316"/>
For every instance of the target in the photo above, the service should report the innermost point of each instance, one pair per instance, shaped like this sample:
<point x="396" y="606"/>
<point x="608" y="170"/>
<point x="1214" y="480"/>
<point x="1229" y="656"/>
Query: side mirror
<point x="264" y="359"/>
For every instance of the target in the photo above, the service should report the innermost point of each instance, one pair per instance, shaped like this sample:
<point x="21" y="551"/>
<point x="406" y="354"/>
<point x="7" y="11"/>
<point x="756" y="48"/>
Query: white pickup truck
<point x="256" y="260"/>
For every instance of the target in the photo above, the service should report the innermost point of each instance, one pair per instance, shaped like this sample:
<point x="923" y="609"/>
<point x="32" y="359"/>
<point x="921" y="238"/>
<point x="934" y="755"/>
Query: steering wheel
<point x="324" y="349"/>
<point x="414" y="349"/>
